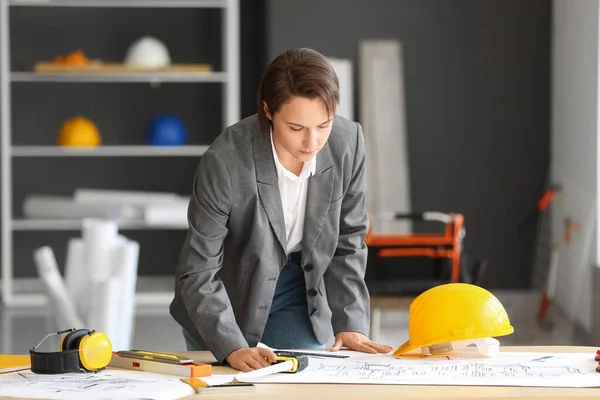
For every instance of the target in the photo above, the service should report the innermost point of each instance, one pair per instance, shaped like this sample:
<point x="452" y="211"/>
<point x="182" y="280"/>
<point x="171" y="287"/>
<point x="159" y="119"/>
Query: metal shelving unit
<point x="149" y="77"/>
<point x="123" y="3"/>
<point x="75" y="225"/>
<point x="108" y="151"/>
<point x="229" y="78"/>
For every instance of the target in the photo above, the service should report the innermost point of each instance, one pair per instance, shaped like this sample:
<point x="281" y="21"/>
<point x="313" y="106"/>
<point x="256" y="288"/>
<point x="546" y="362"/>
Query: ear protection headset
<point x="79" y="349"/>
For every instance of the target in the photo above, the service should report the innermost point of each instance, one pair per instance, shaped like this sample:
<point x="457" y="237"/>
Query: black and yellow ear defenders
<point x="79" y="349"/>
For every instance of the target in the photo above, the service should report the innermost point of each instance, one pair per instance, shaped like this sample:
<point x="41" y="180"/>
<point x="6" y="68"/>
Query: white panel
<point x="574" y="147"/>
<point x="382" y="114"/>
<point x="343" y="69"/>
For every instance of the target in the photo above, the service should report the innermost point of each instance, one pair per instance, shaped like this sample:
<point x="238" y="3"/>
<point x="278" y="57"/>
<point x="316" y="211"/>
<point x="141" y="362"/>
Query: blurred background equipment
<point x="144" y="55"/>
<point x="79" y="131"/>
<point x="74" y="58"/>
<point x="546" y="252"/>
<point x="166" y="130"/>
<point x="148" y="52"/>
<point x="144" y="208"/>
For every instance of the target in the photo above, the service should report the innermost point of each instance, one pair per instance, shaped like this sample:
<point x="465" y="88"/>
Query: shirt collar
<point x="309" y="168"/>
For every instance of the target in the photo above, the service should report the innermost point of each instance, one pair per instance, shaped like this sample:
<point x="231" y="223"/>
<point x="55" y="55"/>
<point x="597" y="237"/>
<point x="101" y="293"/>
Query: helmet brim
<point x="404" y="348"/>
<point x="407" y="346"/>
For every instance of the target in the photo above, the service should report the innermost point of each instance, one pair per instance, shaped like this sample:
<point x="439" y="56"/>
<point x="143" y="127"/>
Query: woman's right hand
<point x="249" y="359"/>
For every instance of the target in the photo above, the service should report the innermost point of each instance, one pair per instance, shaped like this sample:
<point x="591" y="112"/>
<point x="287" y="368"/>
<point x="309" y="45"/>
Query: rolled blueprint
<point x="62" y="306"/>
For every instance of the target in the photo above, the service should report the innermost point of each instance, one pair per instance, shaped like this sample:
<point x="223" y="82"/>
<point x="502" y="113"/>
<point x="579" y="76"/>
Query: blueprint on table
<point x="506" y="369"/>
<point x="107" y="384"/>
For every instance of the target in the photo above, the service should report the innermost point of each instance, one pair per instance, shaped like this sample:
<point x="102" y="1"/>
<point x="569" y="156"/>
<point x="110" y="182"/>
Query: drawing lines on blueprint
<point x="392" y="371"/>
<point x="507" y="369"/>
<point x="79" y="383"/>
<point x="106" y="384"/>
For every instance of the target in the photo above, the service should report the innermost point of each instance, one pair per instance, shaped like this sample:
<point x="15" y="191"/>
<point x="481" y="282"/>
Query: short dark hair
<point x="297" y="72"/>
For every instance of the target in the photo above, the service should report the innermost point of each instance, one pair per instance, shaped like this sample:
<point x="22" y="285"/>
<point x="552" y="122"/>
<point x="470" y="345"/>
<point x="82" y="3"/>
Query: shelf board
<point x="133" y="77"/>
<point x="39" y="301"/>
<point x="29" y="298"/>
<point x="25" y="224"/>
<point x="109" y="151"/>
<point x="122" y="3"/>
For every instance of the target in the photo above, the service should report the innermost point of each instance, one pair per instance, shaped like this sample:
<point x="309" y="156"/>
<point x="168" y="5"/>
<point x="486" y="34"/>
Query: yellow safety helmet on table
<point x="449" y="316"/>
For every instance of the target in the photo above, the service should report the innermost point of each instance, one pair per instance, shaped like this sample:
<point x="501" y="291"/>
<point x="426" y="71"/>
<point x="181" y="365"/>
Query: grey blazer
<point x="235" y="247"/>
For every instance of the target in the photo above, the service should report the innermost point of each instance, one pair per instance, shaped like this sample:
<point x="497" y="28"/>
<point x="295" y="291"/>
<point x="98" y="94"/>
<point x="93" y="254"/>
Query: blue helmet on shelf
<point x="166" y="130"/>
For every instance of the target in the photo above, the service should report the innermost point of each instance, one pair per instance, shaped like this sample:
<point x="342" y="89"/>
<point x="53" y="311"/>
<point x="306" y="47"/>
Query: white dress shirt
<point x="293" y="190"/>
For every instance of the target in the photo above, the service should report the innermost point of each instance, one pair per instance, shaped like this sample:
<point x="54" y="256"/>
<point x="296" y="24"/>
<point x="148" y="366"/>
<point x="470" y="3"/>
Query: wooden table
<point x="380" y="392"/>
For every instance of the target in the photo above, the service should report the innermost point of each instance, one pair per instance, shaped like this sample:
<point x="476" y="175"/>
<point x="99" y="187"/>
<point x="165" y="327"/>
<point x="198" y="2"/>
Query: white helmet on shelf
<point x="148" y="52"/>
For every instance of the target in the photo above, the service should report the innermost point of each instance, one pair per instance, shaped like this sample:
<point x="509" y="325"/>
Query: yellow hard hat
<point x="454" y="312"/>
<point x="79" y="131"/>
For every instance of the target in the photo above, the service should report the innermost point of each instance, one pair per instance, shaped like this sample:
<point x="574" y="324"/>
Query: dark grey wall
<point x="121" y="111"/>
<point x="477" y="89"/>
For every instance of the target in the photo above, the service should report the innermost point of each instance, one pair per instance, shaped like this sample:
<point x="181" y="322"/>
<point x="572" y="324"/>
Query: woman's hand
<point x="359" y="342"/>
<point x="249" y="359"/>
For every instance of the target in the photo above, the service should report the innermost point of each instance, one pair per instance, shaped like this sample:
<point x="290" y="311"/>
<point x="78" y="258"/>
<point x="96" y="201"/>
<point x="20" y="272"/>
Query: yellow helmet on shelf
<point x="79" y="131"/>
<point x="451" y="313"/>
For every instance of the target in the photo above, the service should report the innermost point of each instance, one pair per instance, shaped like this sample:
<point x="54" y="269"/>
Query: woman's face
<point x="301" y="128"/>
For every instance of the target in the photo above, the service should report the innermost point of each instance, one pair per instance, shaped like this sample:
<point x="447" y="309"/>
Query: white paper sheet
<point x="507" y="369"/>
<point x="107" y="384"/>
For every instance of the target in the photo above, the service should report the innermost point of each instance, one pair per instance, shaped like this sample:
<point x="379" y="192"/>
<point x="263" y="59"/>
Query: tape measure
<point x="298" y="362"/>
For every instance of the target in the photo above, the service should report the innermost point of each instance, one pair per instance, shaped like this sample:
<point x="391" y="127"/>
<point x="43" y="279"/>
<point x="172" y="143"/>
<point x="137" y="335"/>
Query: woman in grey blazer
<point x="275" y="250"/>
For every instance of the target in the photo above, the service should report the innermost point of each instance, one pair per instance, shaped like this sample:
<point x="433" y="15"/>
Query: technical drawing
<point x="109" y="384"/>
<point x="392" y="371"/>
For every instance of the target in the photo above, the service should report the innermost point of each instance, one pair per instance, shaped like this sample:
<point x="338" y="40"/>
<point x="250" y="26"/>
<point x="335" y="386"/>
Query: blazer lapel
<point x="320" y="188"/>
<point x="268" y="187"/>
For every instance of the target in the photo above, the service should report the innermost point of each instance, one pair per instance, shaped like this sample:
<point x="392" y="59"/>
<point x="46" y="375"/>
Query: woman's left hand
<point x="359" y="342"/>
